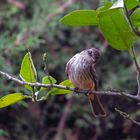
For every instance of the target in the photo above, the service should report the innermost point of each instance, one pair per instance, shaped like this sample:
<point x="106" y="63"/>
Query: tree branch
<point x="132" y="51"/>
<point x="46" y="67"/>
<point x="127" y="116"/>
<point x="105" y="93"/>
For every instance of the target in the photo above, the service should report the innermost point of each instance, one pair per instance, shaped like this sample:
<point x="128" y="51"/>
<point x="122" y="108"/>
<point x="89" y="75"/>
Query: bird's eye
<point x="90" y="53"/>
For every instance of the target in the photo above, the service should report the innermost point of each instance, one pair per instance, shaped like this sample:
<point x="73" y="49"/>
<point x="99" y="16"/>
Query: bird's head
<point x="94" y="53"/>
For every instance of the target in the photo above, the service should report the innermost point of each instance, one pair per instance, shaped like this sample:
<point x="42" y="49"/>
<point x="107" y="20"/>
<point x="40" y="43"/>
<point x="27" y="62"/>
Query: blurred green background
<point x="34" y="25"/>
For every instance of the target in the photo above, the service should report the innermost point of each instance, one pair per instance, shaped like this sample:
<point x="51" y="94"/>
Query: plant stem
<point x="132" y="51"/>
<point x="33" y="94"/>
<point x="133" y="56"/>
<point x="46" y="68"/>
<point x="127" y="116"/>
<point x="80" y="91"/>
<point x="129" y="20"/>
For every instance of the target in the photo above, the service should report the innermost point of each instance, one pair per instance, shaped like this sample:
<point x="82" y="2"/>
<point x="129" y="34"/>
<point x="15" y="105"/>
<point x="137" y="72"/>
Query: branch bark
<point x="127" y="116"/>
<point x="79" y="91"/>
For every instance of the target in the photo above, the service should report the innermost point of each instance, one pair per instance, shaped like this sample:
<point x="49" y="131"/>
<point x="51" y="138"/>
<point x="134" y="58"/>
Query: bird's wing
<point x="67" y="69"/>
<point x="70" y="64"/>
<point x="93" y="75"/>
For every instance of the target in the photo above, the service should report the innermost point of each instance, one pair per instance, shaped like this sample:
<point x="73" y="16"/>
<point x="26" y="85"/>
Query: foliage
<point x="3" y="133"/>
<point x="28" y="74"/>
<point x="120" y="36"/>
<point x="11" y="99"/>
<point x="115" y="68"/>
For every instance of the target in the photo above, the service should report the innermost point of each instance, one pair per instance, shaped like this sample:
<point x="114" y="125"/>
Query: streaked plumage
<point x="81" y="71"/>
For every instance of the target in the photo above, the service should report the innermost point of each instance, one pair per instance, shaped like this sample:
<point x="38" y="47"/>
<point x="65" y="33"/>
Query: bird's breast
<point x="79" y="72"/>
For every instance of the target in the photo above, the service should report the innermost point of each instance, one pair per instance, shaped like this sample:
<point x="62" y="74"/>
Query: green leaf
<point x="27" y="71"/>
<point x="57" y="91"/>
<point x="67" y="83"/>
<point x="11" y="99"/>
<point x="116" y="29"/>
<point x="41" y="95"/>
<point x="45" y="80"/>
<point x="106" y="5"/>
<point x="3" y="133"/>
<point x="80" y="18"/>
<point x="130" y="4"/>
<point x="118" y="4"/>
<point x="135" y="18"/>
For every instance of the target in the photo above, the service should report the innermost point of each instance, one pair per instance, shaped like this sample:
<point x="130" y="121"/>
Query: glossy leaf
<point x="80" y="18"/>
<point x="67" y="83"/>
<point x="130" y="4"/>
<point x="45" y="80"/>
<point x="27" y="71"/>
<point x="116" y="29"/>
<point x="118" y="4"/>
<point x="11" y="99"/>
<point x="135" y="18"/>
<point x="56" y="91"/>
<point x="106" y="5"/>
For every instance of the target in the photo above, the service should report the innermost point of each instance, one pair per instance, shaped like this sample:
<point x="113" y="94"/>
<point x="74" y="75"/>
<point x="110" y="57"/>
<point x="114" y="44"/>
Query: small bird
<point x="81" y="71"/>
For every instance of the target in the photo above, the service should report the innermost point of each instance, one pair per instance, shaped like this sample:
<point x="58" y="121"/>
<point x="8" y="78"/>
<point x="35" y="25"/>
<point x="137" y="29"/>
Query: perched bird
<point x="81" y="71"/>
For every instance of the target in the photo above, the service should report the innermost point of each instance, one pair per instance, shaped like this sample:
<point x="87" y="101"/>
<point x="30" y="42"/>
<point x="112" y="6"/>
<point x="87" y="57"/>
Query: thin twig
<point x="105" y="93"/>
<point x="132" y="51"/>
<point x="127" y="14"/>
<point x="33" y="94"/>
<point x="138" y="72"/>
<point x="133" y="10"/>
<point x="127" y="116"/>
<point x="46" y="68"/>
<point x="133" y="56"/>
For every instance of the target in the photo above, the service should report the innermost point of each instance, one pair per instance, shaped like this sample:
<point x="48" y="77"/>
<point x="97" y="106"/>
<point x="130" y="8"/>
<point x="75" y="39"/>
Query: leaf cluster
<point x="115" y="68"/>
<point x="120" y="36"/>
<point x="117" y="27"/>
<point x="28" y="74"/>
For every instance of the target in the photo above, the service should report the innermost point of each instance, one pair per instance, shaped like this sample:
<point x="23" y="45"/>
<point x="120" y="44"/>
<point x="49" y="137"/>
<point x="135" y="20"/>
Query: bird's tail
<point x="96" y="106"/>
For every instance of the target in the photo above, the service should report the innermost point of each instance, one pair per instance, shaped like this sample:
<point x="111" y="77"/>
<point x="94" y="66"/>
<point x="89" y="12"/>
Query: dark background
<point x="34" y="25"/>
